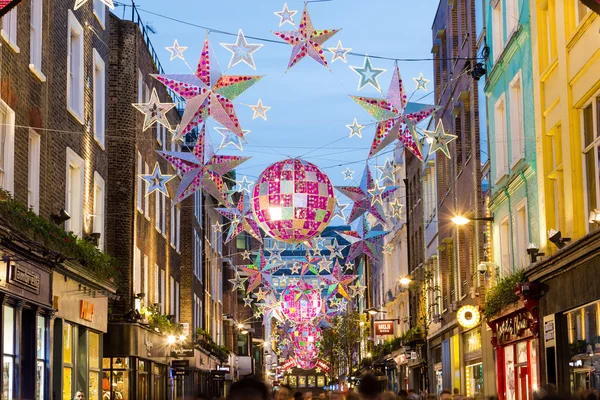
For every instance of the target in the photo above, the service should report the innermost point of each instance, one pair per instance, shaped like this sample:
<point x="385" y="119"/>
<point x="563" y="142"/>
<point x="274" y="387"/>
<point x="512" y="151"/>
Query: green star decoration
<point x="440" y="139"/>
<point x="368" y="74"/>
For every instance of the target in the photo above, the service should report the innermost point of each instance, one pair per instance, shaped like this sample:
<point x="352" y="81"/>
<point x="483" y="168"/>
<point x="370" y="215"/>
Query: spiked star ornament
<point x="348" y="174"/>
<point x="396" y="208"/>
<point x="286" y="15"/>
<point x="363" y="197"/>
<point x="368" y="74"/>
<point x="339" y="210"/>
<point x="260" y="273"/>
<point x="154" y="111"/>
<point x="230" y="138"/>
<point x="241" y="51"/>
<point x="241" y="220"/>
<point x="202" y="169"/>
<point x="307" y="41"/>
<point x="396" y="117"/>
<point x="339" y="52"/>
<point x="208" y="93"/>
<point x="355" y="129"/>
<point x="311" y="259"/>
<point x="157" y="181"/>
<point x="260" y="110"/>
<point x="176" y="51"/>
<point x="421" y="82"/>
<point x="337" y="282"/>
<point x="363" y="240"/>
<point x="244" y="185"/>
<point x="79" y="3"/>
<point x="440" y="139"/>
<point x="238" y="282"/>
<point x="335" y="249"/>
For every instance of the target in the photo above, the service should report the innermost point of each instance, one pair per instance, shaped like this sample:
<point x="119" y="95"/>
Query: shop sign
<point x="512" y="327"/>
<point x="25" y="278"/>
<point x="594" y="5"/>
<point x="180" y="363"/>
<point x="323" y="365"/>
<point x="86" y="311"/>
<point x="384" y="328"/>
<point x="549" y="330"/>
<point x="181" y="372"/>
<point x="576" y="363"/>
<point x="182" y="352"/>
<point x="468" y="317"/>
<point x="224" y="368"/>
<point x="289" y="364"/>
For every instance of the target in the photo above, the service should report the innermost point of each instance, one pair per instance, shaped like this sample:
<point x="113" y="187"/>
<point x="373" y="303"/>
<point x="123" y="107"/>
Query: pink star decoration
<point x="363" y="240"/>
<point x="241" y="219"/>
<point x="260" y="272"/>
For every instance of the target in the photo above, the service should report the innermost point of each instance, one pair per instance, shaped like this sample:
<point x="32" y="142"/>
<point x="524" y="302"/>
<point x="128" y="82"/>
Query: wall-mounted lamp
<point x="478" y="71"/>
<point x="61" y="217"/>
<point x="595" y="217"/>
<point x="534" y="252"/>
<point x="556" y="237"/>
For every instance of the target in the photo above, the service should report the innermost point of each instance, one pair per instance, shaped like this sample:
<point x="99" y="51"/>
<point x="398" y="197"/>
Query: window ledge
<point x="140" y="210"/>
<point x="10" y="42"/>
<point x="100" y="22"/>
<point x="33" y="68"/>
<point x="75" y="115"/>
<point x="100" y="143"/>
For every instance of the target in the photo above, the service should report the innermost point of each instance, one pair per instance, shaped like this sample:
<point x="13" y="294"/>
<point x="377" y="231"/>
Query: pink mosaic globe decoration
<point x="293" y="200"/>
<point x="307" y="354"/>
<point x="306" y="364"/>
<point x="301" y="302"/>
<point x="307" y="336"/>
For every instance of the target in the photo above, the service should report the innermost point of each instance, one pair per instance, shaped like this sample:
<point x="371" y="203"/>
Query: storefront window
<point x="472" y="340"/>
<point x="94" y="354"/>
<point x="8" y="320"/>
<point x="292" y="381"/>
<point x="311" y="381"/>
<point x="301" y="381"/>
<point x="120" y="383"/>
<point x="143" y="380"/>
<point x="474" y="379"/>
<point x="509" y="372"/>
<point x="159" y="382"/>
<point x="40" y="368"/>
<point x="320" y="381"/>
<point x="584" y="347"/>
<point x="67" y="361"/>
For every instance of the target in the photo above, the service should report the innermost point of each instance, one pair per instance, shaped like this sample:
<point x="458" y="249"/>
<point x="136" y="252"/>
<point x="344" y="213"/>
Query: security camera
<point x="482" y="268"/>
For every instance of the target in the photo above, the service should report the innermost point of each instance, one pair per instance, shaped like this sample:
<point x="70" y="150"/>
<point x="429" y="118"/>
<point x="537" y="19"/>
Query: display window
<point x="474" y="379"/>
<point x="115" y="378"/>
<point x="41" y="359"/>
<point x="94" y="365"/>
<point x="8" y="360"/>
<point x="584" y="347"/>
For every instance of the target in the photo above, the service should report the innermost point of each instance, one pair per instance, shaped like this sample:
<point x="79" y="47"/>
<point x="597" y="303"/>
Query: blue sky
<point x="310" y="104"/>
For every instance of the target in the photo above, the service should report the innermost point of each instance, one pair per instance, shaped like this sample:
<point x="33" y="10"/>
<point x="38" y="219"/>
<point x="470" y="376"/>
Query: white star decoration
<point x="339" y="52"/>
<point x="348" y="173"/>
<point x="355" y="129"/>
<point x="386" y="172"/>
<point x="440" y="139"/>
<point x="176" y="51"/>
<point x="247" y="255"/>
<point x="388" y="248"/>
<point x="260" y="110"/>
<point x="421" y="82"/>
<point x="154" y="111"/>
<point x="244" y="185"/>
<point x="79" y="3"/>
<point x="230" y="138"/>
<point x="368" y="74"/>
<point x="286" y="15"/>
<point x="241" y="51"/>
<point x="157" y="181"/>
<point x="339" y="210"/>
<point x="397" y="208"/>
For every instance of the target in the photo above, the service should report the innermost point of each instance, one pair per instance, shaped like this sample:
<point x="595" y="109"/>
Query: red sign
<point x="7" y="5"/>
<point x="289" y="364"/>
<point x="384" y="328"/>
<point x="323" y="366"/>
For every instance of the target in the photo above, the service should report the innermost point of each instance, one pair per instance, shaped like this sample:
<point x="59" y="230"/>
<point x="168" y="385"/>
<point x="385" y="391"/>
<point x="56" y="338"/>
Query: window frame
<point x="507" y="269"/>
<point x="522" y="251"/>
<point x="10" y="35"/>
<point x="501" y="145"/>
<point x="73" y="159"/>
<point x="594" y="146"/>
<point x="140" y="184"/>
<point x="99" y="99"/>
<point x="36" y="39"/>
<point x="99" y="9"/>
<point x="516" y="121"/>
<point x="145" y="190"/>
<point x="98" y="219"/>
<point x="33" y="171"/>
<point x="12" y="355"/>
<point x="9" y="148"/>
<point x="74" y="27"/>
<point x="498" y="42"/>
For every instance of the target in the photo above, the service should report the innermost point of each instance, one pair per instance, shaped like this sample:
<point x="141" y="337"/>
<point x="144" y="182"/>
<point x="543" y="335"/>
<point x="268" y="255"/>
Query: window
<point x="175" y="224"/>
<point x="512" y="16"/>
<point x="555" y="180"/>
<point x="198" y="322"/>
<point x="100" y="12"/>
<point x="171" y="295"/>
<point x="35" y="56"/>
<point x="177" y="301"/>
<point x="501" y="138"/>
<point x="146" y="197"/>
<point x="140" y="86"/>
<point x="33" y="172"/>
<point x="94" y="365"/>
<point x="163" y="214"/>
<point x="591" y="153"/>
<point x="145" y="274"/>
<point x="68" y="361"/>
<point x="197" y="256"/>
<point x="547" y="34"/>
<point x="156" y="284"/>
<point x="522" y="235"/>
<point x="157" y="201"/>
<point x="8" y="360"/>
<point x="9" y="29"/>
<point x="140" y="183"/>
<point x="517" y="135"/>
<point x="497" y="30"/>
<point x="198" y="206"/>
<point x="163" y="278"/>
<point x="580" y="11"/>
<point x="40" y="367"/>
<point x="137" y="271"/>
<point x="99" y="201"/>
<point x="99" y="98"/>
<point x="178" y="227"/>
<point x="505" y="247"/>
<point x="172" y="224"/>
<point x="74" y="197"/>
<point x="7" y="147"/>
<point x="75" y="84"/>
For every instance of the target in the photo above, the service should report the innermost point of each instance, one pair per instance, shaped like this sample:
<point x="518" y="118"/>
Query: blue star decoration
<point x="230" y="138"/>
<point x="157" y="181"/>
<point x="421" y="82"/>
<point x="339" y="52"/>
<point x="368" y="74"/>
<point x="241" y="51"/>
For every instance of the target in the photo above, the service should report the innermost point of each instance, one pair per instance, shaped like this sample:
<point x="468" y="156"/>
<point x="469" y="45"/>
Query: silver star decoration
<point x="79" y="3"/>
<point x="176" y="51"/>
<point x="377" y="193"/>
<point x="339" y="210"/>
<point x="244" y="185"/>
<point x="342" y="304"/>
<point x="283" y="281"/>
<point x="440" y="139"/>
<point x="335" y="249"/>
<point x="357" y="289"/>
<point x="275" y="253"/>
<point x="421" y="82"/>
<point x="349" y="267"/>
<point x="241" y="51"/>
<point x="325" y="265"/>
<point x="397" y="208"/>
<point x="157" y="181"/>
<point x="296" y="267"/>
<point x="154" y="111"/>
<point x="230" y="138"/>
<point x="217" y="227"/>
<point x="386" y="172"/>
<point x="248" y="301"/>
<point x="238" y="282"/>
<point x="286" y="15"/>
<point x="261" y="294"/>
<point x="333" y="302"/>
<point x="368" y="74"/>
<point x="247" y="255"/>
<point x="320" y="241"/>
<point x="260" y="110"/>
<point x="339" y="52"/>
<point x="348" y="174"/>
<point x="355" y="129"/>
<point x="388" y="248"/>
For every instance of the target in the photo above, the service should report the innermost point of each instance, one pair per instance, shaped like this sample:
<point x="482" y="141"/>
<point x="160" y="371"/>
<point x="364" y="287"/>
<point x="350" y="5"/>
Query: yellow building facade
<point x="566" y="71"/>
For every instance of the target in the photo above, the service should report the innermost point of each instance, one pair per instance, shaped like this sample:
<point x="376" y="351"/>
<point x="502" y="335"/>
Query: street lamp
<point x="171" y="339"/>
<point x="405" y="281"/>
<point x="372" y="311"/>
<point x="462" y="220"/>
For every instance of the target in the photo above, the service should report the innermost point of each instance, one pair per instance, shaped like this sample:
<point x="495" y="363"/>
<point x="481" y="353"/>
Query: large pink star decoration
<point x="363" y="240"/>
<point x="365" y="197"/>
<point x="202" y="169"/>
<point x="241" y="220"/>
<point x="337" y="282"/>
<point x="260" y="273"/>
<point x="307" y="41"/>
<point x="396" y="117"/>
<point x="208" y="93"/>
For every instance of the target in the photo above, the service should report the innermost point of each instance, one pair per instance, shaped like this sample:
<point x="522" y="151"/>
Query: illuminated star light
<point x="248" y="301"/>
<point x="247" y="255"/>
<point x="368" y="74"/>
<point x="238" y="282"/>
<point x="275" y="253"/>
<point x="176" y="51"/>
<point x="286" y="15"/>
<point x="230" y="138"/>
<point x="157" y="181"/>
<point x="296" y="267"/>
<point x="348" y="174"/>
<point x="397" y="208"/>
<point x="244" y="185"/>
<point x="377" y="194"/>
<point x="79" y="3"/>
<point x="260" y="110"/>
<point x="339" y="210"/>
<point x="335" y="249"/>
<point x="241" y="51"/>
<point x="386" y="172"/>
<point x="339" y="52"/>
<point x="217" y="227"/>
<point x="363" y="240"/>
<point x="325" y="265"/>
<point x="421" y="82"/>
<point x="241" y="220"/>
<point x="154" y="111"/>
<point x="440" y="139"/>
<point x="355" y="129"/>
<point x="388" y="248"/>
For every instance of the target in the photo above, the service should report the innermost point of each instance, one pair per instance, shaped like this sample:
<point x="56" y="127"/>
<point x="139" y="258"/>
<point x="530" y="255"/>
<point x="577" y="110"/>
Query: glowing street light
<point x="405" y="281"/>
<point x="171" y="339"/>
<point x="462" y="220"/>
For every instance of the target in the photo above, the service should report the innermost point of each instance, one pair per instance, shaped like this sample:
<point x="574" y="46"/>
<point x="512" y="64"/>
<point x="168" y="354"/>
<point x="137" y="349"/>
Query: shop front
<point x="473" y="363"/>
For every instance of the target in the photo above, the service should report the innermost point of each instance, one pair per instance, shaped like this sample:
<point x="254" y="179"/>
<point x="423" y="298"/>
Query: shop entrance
<point x="523" y="381"/>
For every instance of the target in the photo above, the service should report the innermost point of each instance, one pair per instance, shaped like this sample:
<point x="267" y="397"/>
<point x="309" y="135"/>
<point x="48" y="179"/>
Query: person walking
<point x="79" y="395"/>
<point x="368" y="388"/>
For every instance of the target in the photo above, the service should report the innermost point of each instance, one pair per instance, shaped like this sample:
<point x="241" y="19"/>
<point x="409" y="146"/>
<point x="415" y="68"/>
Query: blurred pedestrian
<point x="284" y="392"/>
<point x="249" y="389"/>
<point x="389" y="395"/>
<point x="402" y="394"/>
<point x="412" y="395"/>
<point x="446" y="395"/>
<point x="298" y="396"/>
<point x="352" y="396"/>
<point x="368" y="388"/>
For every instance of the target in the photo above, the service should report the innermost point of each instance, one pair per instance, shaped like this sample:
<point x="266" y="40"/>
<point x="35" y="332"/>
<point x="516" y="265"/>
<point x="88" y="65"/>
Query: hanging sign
<point x="384" y="328"/>
<point x="323" y="366"/>
<point x="468" y="317"/>
<point x="593" y="5"/>
<point x="7" y="5"/>
<point x="289" y="364"/>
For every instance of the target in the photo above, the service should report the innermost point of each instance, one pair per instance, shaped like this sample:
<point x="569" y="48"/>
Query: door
<point x="523" y="382"/>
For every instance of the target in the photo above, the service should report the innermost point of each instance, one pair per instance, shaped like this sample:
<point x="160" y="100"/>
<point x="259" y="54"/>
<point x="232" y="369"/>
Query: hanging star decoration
<point x="248" y="301"/>
<point x="241" y="51"/>
<point x="363" y="240"/>
<point x="339" y="52"/>
<point x="335" y="249"/>
<point x="337" y="282"/>
<point x="275" y="253"/>
<point x="176" y="51"/>
<point x="386" y="172"/>
<point x="440" y="139"/>
<point x="154" y="111"/>
<point x="241" y="219"/>
<point x="261" y="294"/>
<point x="421" y="82"/>
<point x="217" y="227"/>
<point x="296" y="267"/>
<point x="357" y="289"/>
<point x="286" y="15"/>
<point x="396" y="117"/>
<point x="339" y="210"/>
<point x="247" y="255"/>
<point x="230" y="138"/>
<point x="260" y="110"/>
<point x="387" y="249"/>
<point x="199" y="173"/>
<point x="355" y="129"/>
<point x="260" y="273"/>
<point x="311" y="259"/>
<point x="306" y="41"/>
<point x="79" y="3"/>
<point x="157" y="181"/>
<point x="348" y="174"/>
<point x="368" y="74"/>
<point x="238" y="282"/>
<point x="362" y="196"/>
<point x="377" y="194"/>
<point x="397" y="208"/>
<point x="244" y="185"/>
<point x="208" y="93"/>
<point x="325" y="265"/>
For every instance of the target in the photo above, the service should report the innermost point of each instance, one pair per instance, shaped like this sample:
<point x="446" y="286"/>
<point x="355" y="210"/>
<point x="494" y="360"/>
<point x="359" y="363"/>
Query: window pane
<point x="588" y="126"/>
<point x="9" y="330"/>
<point x="94" y="350"/>
<point x="67" y="344"/>
<point x="67" y="375"/>
<point x="94" y="385"/>
<point x="7" y="378"/>
<point x="41" y="337"/>
<point x="106" y="385"/>
<point x="120" y="383"/>
<point x="39" y="382"/>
